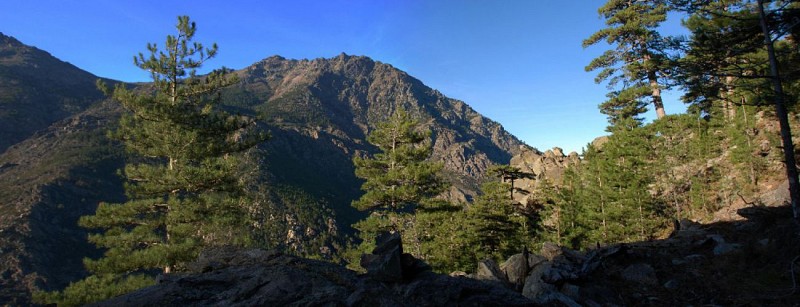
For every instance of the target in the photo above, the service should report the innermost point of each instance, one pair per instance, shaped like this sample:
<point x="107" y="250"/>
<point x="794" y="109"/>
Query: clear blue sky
<point x="518" y="62"/>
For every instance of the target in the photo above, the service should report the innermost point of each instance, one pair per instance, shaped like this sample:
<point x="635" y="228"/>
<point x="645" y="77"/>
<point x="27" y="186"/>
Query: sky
<point x="518" y="62"/>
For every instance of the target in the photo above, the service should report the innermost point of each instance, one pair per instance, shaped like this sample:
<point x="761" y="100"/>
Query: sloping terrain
<point x="750" y="262"/>
<point x="48" y="181"/>
<point x="321" y="111"/>
<point x="37" y="90"/>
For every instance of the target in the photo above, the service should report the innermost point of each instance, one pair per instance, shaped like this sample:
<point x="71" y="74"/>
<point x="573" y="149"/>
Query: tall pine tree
<point x="182" y="188"/>
<point x="399" y="176"/>
<point x="398" y="179"/>
<point x="639" y="58"/>
<point x="494" y="227"/>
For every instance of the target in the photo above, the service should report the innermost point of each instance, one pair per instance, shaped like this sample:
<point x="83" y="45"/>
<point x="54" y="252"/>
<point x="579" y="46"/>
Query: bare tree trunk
<point x="780" y="111"/>
<point x="658" y="104"/>
<point x="603" y="210"/>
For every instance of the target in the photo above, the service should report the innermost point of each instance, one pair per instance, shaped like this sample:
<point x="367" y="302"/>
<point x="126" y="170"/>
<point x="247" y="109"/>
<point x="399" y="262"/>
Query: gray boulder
<point x="640" y="273"/>
<point x="489" y="270"/>
<point x="534" y="284"/>
<point x="516" y="268"/>
<point x="385" y="263"/>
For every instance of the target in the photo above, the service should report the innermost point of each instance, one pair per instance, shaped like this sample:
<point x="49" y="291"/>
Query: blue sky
<point x="518" y="62"/>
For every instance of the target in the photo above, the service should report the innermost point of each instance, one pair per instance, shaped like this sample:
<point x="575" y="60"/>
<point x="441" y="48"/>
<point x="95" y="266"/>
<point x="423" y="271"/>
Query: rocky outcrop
<point x="548" y="165"/>
<point x="230" y="277"/>
<point x="726" y="263"/>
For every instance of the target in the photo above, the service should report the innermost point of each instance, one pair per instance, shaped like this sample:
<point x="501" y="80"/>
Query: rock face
<point x="388" y="263"/>
<point x="548" y="165"/>
<point x="229" y="277"/>
<point x="320" y="112"/>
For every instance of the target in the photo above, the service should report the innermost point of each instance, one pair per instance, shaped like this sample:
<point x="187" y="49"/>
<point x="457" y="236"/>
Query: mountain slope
<point x="36" y="90"/>
<point x="331" y="105"/>
<point x="46" y="183"/>
<point x="60" y="166"/>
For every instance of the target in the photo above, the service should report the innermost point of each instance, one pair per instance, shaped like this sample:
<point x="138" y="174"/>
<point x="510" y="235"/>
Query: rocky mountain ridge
<point x="36" y="90"/>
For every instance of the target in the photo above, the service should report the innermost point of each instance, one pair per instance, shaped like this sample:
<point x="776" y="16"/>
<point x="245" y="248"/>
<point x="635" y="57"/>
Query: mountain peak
<point x="40" y="88"/>
<point x="9" y="41"/>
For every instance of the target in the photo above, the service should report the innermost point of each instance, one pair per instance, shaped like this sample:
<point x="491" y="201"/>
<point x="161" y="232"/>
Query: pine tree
<point x="721" y="56"/>
<point x="494" y="228"/>
<point x="639" y="59"/>
<point x="437" y="236"/>
<point x="182" y="187"/>
<point x="611" y="190"/>
<point x="550" y="202"/>
<point x="508" y="173"/>
<point x="763" y="73"/>
<point x="398" y="179"/>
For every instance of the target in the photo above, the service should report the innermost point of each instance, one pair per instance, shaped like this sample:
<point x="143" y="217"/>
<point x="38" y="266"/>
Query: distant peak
<point x="9" y="40"/>
<point x="275" y="58"/>
<point x="349" y="57"/>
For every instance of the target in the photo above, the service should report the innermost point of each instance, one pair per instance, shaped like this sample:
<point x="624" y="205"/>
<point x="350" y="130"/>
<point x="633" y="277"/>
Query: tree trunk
<point x="780" y="111"/>
<point x="603" y="210"/>
<point x="727" y="100"/>
<point x="658" y="104"/>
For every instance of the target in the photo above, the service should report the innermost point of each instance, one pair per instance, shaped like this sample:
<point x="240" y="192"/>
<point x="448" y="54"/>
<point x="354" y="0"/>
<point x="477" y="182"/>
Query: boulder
<point x="489" y="270"/>
<point x="534" y="284"/>
<point x="559" y="273"/>
<point x="598" y="142"/>
<point x="725" y="248"/>
<point x="516" y="269"/>
<point x="534" y="260"/>
<point x="385" y="262"/>
<point x="573" y="291"/>
<point x="551" y="250"/>
<point x="542" y="292"/>
<point x="640" y="273"/>
<point x="412" y="267"/>
<point x="555" y="298"/>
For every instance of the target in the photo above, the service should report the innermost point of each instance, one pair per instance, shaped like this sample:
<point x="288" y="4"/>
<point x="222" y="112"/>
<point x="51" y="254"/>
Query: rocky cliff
<point x="332" y="104"/>
<point x="549" y="165"/>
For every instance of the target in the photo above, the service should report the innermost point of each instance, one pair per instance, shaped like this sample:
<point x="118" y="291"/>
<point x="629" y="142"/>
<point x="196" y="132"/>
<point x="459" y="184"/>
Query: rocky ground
<point x="227" y="277"/>
<point x="751" y="262"/>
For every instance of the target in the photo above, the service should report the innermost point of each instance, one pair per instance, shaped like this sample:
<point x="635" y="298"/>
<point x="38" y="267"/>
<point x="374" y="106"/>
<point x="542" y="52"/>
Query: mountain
<point x="36" y="90"/>
<point x="57" y="164"/>
<point x="321" y="110"/>
<point x="46" y="183"/>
